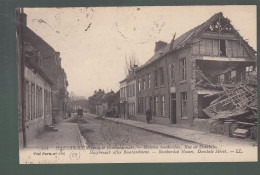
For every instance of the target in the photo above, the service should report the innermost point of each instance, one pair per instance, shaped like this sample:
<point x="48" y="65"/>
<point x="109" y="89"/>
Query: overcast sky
<point x="93" y="42"/>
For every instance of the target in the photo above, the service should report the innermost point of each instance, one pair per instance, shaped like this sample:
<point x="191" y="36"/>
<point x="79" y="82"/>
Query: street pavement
<point x="101" y="132"/>
<point x="117" y="131"/>
<point x="186" y="134"/>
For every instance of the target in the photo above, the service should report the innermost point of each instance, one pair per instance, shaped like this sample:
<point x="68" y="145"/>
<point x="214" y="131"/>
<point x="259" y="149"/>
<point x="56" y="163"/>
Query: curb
<point x="81" y="140"/>
<point x="157" y="132"/>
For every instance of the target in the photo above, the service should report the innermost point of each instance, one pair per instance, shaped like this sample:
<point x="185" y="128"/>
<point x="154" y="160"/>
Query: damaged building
<point x="205" y="76"/>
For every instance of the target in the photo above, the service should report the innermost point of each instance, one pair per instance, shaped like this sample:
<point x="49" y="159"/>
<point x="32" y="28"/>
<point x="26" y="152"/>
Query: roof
<point x="124" y="80"/>
<point x="184" y="40"/>
<point x="35" y="40"/>
<point x="30" y="62"/>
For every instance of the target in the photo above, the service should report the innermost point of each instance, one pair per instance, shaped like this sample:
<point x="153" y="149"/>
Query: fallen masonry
<point x="233" y="109"/>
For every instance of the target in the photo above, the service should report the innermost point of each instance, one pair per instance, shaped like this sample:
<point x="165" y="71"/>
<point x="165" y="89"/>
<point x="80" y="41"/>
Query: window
<point x="45" y="102"/>
<point x="149" y="81"/>
<point x="156" y="107"/>
<point x="172" y="74"/>
<point x="184" y="104"/>
<point x="139" y="84"/>
<point x="125" y="92"/>
<point x="163" y="106"/>
<point x="140" y="106"/>
<point x="133" y="108"/>
<point x="222" y="48"/>
<point x="161" y="76"/>
<point x="143" y="82"/>
<point x="221" y="78"/>
<point x="183" y="69"/>
<point x="249" y="69"/>
<point x="134" y="89"/>
<point x="130" y="90"/>
<point x="27" y="101"/>
<point x="49" y="102"/>
<point x="40" y="103"/>
<point x="32" y="101"/>
<point x="233" y="75"/>
<point x="121" y="92"/>
<point x="155" y="79"/>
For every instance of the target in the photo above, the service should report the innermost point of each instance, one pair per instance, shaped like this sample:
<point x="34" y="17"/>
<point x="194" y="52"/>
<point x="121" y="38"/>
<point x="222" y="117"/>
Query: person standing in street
<point x="148" y="115"/>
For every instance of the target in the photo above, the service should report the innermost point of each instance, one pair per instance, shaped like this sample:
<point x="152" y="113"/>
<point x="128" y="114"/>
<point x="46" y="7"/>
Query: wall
<point x="131" y="99"/>
<point x="209" y="45"/>
<point x="35" y="126"/>
<point x="183" y="86"/>
<point x="152" y="92"/>
<point x="123" y="100"/>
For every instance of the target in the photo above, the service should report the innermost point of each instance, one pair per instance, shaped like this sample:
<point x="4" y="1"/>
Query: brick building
<point x="185" y="76"/>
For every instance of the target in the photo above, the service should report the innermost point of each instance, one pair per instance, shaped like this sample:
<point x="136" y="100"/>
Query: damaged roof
<point x="186" y="39"/>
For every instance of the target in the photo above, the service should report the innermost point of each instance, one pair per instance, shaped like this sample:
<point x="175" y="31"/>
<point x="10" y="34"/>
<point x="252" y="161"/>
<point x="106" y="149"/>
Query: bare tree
<point x="130" y="62"/>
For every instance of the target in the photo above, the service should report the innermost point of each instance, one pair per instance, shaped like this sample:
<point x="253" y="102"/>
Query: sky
<point x="95" y="41"/>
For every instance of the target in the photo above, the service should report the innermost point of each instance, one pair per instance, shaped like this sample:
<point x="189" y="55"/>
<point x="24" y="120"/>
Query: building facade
<point x="185" y="76"/>
<point x="50" y="62"/>
<point x="123" y="99"/>
<point x="34" y="87"/>
<point x="128" y="94"/>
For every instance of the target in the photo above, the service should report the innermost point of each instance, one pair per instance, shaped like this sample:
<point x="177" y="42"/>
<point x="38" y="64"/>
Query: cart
<point x="80" y="112"/>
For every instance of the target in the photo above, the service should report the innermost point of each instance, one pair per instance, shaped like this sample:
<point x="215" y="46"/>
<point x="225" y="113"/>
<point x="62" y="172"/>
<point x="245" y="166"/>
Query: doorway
<point x="173" y="108"/>
<point x="150" y="106"/>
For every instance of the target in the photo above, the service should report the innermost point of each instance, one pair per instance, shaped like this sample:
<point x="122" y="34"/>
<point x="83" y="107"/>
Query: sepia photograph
<point x="137" y="84"/>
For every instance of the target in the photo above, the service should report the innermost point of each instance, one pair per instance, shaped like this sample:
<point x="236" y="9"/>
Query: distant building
<point x="77" y="102"/>
<point x="128" y="94"/>
<point x="123" y="98"/>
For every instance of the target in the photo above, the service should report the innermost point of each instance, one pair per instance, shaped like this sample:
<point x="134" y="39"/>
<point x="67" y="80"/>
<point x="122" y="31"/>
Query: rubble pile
<point x="235" y="100"/>
<point x="234" y="110"/>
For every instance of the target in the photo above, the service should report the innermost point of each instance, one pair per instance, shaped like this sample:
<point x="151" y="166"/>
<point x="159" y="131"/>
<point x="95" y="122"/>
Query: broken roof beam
<point x="203" y="80"/>
<point x="227" y="59"/>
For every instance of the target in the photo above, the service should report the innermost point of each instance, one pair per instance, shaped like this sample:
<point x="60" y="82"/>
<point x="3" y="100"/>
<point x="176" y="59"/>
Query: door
<point x="173" y="108"/>
<point x="150" y="105"/>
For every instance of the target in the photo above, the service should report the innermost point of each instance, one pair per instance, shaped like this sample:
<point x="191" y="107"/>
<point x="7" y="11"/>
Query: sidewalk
<point x="186" y="134"/>
<point x="68" y="134"/>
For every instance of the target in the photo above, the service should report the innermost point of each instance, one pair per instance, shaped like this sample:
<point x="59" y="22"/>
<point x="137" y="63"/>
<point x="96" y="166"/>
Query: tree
<point x="130" y="63"/>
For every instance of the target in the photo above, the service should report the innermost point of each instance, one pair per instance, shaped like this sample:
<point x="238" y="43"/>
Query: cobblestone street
<point x="99" y="132"/>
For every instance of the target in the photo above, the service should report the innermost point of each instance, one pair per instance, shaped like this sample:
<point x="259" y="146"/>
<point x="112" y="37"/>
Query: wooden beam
<point x="231" y="59"/>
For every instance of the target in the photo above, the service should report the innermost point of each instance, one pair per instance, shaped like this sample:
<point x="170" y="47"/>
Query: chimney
<point x="57" y="54"/>
<point x="24" y="19"/>
<point x="159" y="45"/>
